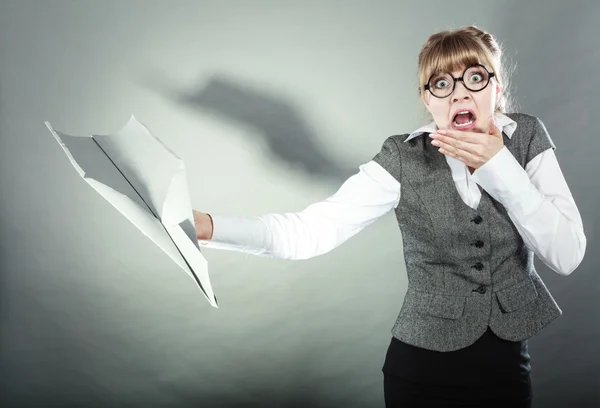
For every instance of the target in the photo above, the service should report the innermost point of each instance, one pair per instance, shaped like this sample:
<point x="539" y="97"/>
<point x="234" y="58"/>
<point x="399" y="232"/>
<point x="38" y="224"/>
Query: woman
<point x="476" y="193"/>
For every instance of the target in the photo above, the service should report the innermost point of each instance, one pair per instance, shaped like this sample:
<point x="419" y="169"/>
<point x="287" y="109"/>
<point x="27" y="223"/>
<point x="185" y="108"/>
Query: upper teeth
<point x="460" y="113"/>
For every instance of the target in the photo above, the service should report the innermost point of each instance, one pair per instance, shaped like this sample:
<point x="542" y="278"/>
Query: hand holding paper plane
<point x="145" y="181"/>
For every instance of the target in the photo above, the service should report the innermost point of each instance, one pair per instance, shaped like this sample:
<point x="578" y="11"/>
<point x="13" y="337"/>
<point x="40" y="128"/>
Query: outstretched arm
<point x="319" y="228"/>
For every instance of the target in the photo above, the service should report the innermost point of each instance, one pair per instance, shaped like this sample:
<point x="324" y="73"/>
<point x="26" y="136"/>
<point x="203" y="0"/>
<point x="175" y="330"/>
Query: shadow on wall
<point x="289" y="138"/>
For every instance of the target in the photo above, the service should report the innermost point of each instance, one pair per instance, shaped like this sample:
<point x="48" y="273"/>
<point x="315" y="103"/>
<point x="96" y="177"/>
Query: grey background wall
<point x="271" y="105"/>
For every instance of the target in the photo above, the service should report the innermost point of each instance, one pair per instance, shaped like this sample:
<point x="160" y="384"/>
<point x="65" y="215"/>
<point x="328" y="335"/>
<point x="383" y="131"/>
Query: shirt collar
<point x="507" y="125"/>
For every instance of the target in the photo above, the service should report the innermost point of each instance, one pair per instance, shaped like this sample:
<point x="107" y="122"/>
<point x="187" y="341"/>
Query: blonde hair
<point x="448" y="51"/>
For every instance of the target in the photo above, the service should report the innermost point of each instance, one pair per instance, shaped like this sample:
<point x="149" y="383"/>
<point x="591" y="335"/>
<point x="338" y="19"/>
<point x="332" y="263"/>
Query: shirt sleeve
<point x="539" y="203"/>
<point x="360" y="201"/>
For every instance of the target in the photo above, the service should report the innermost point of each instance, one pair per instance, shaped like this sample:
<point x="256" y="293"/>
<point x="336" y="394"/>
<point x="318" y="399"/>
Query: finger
<point x="461" y="155"/>
<point x="465" y="136"/>
<point x="450" y="143"/>
<point x="457" y="153"/>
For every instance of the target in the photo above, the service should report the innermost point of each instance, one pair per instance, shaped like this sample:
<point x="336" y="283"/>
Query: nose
<point x="460" y="92"/>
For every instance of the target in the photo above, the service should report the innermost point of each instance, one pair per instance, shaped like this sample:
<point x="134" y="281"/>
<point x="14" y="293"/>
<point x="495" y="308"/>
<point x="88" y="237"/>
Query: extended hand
<point x="472" y="148"/>
<point x="203" y="224"/>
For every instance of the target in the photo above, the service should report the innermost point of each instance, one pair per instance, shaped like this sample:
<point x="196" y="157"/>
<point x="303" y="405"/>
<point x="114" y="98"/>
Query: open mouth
<point x="463" y="119"/>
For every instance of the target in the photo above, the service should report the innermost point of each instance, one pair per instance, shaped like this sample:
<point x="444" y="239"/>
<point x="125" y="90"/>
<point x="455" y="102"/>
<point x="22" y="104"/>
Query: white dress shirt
<point x="537" y="199"/>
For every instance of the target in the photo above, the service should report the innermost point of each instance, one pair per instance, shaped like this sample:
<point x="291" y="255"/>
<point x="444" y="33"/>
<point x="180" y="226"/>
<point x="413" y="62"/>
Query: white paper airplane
<point x="145" y="181"/>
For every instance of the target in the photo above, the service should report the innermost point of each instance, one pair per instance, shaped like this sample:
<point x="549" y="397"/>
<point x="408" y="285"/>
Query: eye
<point x="441" y="83"/>
<point x="476" y="77"/>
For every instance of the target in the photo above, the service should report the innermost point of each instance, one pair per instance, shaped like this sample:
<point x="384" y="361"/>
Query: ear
<point x="498" y="92"/>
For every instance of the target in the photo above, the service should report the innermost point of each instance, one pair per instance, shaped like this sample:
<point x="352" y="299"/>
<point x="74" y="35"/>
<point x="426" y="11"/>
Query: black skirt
<point x="491" y="372"/>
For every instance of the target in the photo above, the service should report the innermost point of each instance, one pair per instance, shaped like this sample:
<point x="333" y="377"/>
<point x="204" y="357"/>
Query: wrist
<point x="210" y="226"/>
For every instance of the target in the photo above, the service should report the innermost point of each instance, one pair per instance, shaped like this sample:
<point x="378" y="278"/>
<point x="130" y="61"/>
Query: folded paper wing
<point x="145" y="181"/>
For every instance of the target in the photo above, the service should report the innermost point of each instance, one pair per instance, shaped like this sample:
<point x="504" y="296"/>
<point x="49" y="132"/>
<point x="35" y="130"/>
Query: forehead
<point x="453" y="57"/>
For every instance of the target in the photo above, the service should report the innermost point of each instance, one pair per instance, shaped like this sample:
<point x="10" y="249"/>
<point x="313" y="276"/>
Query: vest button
<point x="478" y="266"/>
<point x="479" y="244"/>
<point x="481" y="289"/>
<point x="477" y="220"/>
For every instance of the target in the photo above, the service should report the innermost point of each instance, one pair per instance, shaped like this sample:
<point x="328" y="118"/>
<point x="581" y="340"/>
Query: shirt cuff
<point x="245" y="234"/>
<point x="508" y="183"/>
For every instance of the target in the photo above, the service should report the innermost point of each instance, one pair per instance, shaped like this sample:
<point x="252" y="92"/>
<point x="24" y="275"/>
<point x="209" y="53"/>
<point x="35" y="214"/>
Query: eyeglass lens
<point x="474" y="78"/>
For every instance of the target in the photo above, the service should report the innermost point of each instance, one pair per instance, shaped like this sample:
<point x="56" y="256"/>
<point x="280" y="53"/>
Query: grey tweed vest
<point x="467" y="268"/>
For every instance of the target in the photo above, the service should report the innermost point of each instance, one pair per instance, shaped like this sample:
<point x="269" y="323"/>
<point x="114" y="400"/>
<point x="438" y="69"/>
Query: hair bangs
<point x="452" y="53"/>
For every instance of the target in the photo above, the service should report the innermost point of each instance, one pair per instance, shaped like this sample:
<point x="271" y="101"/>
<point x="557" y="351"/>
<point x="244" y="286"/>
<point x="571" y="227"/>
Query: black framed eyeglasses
<point x="475" y="78"/>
